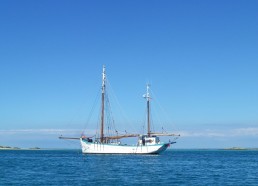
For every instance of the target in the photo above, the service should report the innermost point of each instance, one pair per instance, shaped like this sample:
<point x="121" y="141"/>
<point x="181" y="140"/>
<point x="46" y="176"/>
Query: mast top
<point x="147" y="95"/>
<point x="103" y="77"/>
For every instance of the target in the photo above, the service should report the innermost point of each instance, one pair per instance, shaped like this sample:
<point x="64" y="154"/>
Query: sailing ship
<point x="148" y="143"/>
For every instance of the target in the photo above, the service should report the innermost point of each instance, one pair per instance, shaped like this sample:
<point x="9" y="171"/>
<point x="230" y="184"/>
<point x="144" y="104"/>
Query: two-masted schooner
<point x="148" y="143"/>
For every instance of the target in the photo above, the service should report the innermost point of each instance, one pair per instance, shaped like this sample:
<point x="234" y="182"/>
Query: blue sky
<point x="199" y="56"/>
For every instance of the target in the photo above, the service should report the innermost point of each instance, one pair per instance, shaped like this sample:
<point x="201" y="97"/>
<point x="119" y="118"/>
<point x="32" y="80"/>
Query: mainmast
<point x="103" y="104"/>
<point x="147" y="97"/>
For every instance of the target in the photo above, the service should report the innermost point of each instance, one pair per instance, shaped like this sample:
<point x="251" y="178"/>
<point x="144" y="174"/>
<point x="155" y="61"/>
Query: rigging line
<point x="91" y="112"/>
<point x="70" y="123"/>
<point x="155" y="117"/>
<point x="144" y="122"/>
<point x="152" y="123"/>
<point x="120" y="107"/>
<point x="162" y="108"/>
<point x="98" y="123"/>
<point x="71" y="143"/>
<point x="110" y="117"/>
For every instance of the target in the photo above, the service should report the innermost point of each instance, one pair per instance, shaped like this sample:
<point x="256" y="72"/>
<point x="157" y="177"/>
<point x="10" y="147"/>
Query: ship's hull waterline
<point x="102" y="148"/>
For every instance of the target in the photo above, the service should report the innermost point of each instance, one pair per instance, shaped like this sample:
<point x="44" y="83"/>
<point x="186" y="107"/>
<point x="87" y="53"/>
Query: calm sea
<point x="174" y="167"/>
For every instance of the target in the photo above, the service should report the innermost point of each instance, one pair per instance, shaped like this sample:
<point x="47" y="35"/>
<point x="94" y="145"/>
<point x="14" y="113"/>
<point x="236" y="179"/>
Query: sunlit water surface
<point x="173" y="167"/>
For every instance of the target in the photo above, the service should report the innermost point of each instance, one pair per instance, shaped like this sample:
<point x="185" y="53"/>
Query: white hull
<point x="103" y="148"/>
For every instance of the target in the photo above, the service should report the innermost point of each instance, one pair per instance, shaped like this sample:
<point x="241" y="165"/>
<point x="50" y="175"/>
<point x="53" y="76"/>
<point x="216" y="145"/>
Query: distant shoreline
<point x="17" y="148"/>
<point x="240" y="148"/>
<point x="33" y="149"/>
<point x="231" y="148"/>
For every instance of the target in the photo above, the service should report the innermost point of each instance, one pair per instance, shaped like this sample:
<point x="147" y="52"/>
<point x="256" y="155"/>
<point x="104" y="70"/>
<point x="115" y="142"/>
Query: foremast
<point x="103" y="104"/>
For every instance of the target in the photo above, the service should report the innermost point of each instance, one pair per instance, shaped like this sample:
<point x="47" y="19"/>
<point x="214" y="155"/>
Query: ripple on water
<point x="178" y="167"/>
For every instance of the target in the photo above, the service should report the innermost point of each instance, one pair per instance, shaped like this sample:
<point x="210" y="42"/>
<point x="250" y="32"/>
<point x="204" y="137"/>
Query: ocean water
<point x="173" y="167"/>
